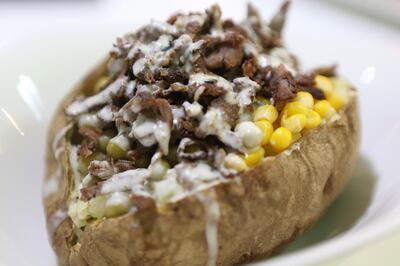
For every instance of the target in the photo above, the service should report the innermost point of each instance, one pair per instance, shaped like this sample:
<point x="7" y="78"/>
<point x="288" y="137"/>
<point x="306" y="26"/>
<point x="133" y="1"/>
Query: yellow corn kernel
<point x="281" y="139"/>
<point x="324" y="109"/>
<point x="266" y="112"/>
<point x="342" y="88"/>
<point x="306" y="98"/>
<point x="262" y="100"/>
<point x="254" y="156"/>
<point x="294" y="108"/>
<point x="324" y="83"/>
<point x="235" y="162"/>
<point x="336" y="100"/>
<point x="295" y="123"/>
<point x="313" y="119"/>
<point x="266" y="130"/>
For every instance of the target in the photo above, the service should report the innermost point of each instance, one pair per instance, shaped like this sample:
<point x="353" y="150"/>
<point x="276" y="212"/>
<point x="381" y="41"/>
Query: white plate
<point x="50" y="61"/>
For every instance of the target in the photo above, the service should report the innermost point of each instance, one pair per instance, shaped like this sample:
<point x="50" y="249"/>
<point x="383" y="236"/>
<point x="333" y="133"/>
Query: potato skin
<point x="276" y="201"/>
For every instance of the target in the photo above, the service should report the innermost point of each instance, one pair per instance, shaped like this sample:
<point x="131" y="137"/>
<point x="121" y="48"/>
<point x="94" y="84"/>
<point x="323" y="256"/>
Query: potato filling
<point x="187" y="104"/>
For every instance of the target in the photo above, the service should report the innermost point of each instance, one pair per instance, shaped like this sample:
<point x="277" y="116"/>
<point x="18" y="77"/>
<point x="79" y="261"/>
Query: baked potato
<point x="196" y="142"/>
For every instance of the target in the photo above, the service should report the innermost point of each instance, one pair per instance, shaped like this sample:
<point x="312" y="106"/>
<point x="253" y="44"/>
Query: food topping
<point x="187" y="104"/>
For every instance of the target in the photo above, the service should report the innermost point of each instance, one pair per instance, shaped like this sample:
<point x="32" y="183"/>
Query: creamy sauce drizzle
<point x="212" y="215"/>
<point x="149" y="132"/>
<point x="103" y="97"/>
<point x="213" y="123"/>
<point x="51" y="184"/>
<point x="128" y="180"/>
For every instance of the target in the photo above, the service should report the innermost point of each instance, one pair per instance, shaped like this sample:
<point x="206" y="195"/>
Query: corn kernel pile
<point x="277" y="131"/>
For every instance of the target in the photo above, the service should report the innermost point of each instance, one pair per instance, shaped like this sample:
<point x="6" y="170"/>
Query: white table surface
<point x="19" y="20"/>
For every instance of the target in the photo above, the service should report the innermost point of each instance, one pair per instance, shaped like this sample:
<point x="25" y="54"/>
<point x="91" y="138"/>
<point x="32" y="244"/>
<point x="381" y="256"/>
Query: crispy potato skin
<point x="276" y="201"/>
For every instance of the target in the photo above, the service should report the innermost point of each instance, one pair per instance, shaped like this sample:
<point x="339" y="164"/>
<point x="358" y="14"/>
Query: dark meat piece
<point x="145" y="102"/>
<point x="230" y="111"/>
<point x="282" y="86"/>
<point x="184" y="128"/>
<point x="90" y="133"/>
<point x="328" y="71"/>
<point x="124" y="165"/>
<point x="266" y="36"/>
<point x="213" y="19"/>
<point x="211" y="89"/>
<point x="278" y="83"/>
<point x="229" y="25"/>
<point x="250" y="67"/>
<point x="192" y="27"/>
<point x="101" y="169"/>
<point x="316" y="93"/>
<point x="88" y="193"/>
<point x="170" y="76"/>
<point x="89" y="142"/>
<point x="224" y="57"/>
<point x="223" y="52"/>
<point x="278" y="20"/>
<point x="85" y="150"/>
<point x="306" y="83"/>
<point x="305" y="80"/>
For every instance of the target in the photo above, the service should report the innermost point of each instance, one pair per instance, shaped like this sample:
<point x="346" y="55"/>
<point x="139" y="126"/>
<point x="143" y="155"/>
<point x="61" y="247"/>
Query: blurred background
<point x="47" y="46"/>
<point x="24" y="16"/>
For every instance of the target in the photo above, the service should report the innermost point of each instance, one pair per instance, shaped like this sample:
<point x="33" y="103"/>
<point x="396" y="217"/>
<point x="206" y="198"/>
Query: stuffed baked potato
<point x="197" y="141"/>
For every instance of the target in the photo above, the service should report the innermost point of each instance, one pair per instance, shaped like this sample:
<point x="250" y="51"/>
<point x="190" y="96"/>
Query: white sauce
<point x="212" y="215"/>
<point x="213" y="123"/>
<point x="106" y="114"/>
<point x="177" y="114"/>
<point x="193" y="109"/>
<point x="262" y="60"/>
<point x="149" y="132"/>
<point x="125" y="181"/>
<point x="103" y="97"/>
<point x="201" y="78"/>
<point x="130" y="89"/>
<point x="247" y="91"/>
<point x="158" y="53"/>
<point x="167" y="188"/>
<point x="250" y="49"/>
<point x="183" y="21"/>
<point x="193" y="176"/>
<point x="163" y="27"/>
<point x="279" y="56"/>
